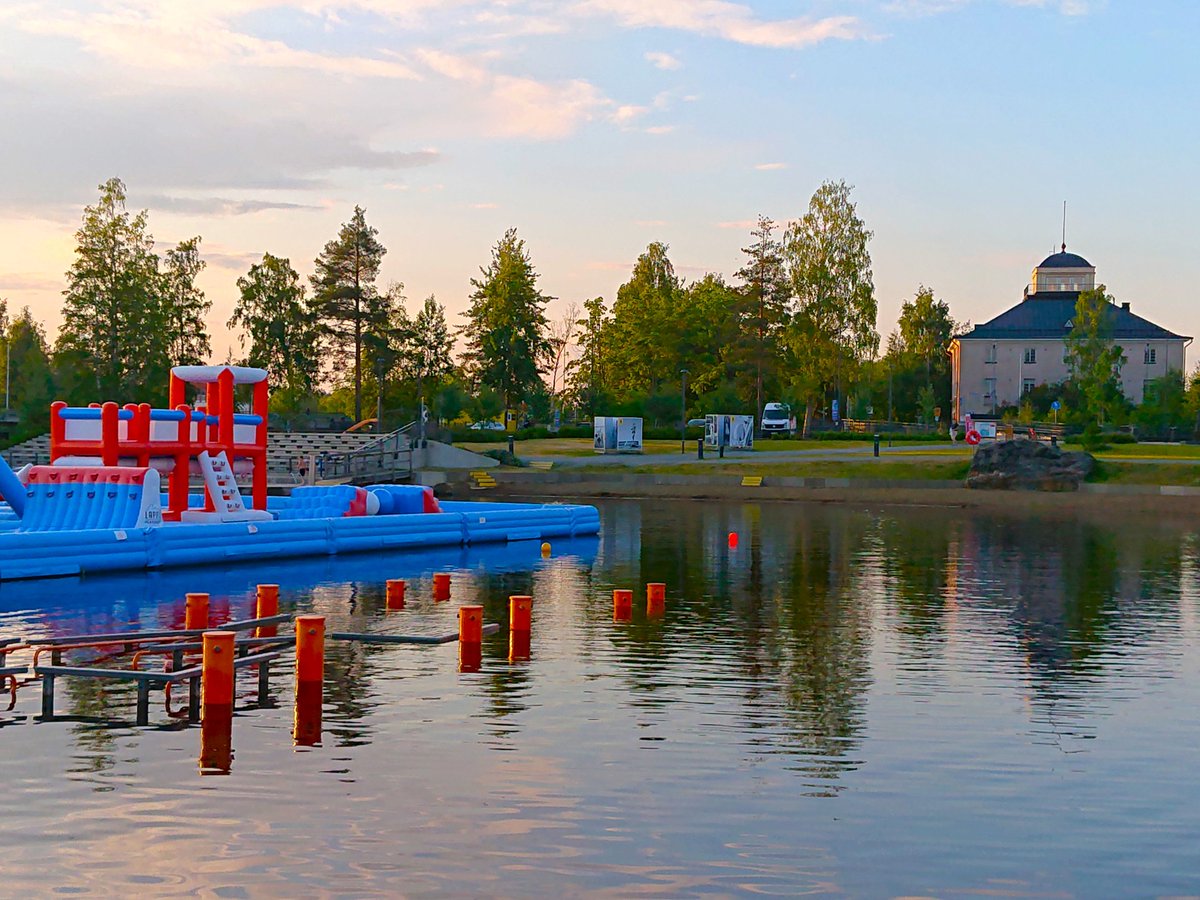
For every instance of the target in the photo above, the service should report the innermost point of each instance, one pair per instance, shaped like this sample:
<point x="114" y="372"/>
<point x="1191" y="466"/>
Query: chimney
<point x="1125" y="306"/>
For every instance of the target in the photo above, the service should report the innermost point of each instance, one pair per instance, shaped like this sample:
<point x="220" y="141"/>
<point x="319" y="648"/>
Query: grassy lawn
<point x="914" y="470"/>
<point x="1109" y="472"/>
<point x="1149" y="451"/>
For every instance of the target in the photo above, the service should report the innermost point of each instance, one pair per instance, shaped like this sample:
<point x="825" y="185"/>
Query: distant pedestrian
<point x="953" y="432"/>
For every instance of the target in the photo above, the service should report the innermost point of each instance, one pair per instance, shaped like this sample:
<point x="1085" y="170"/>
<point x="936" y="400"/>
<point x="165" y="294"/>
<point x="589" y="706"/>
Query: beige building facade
<point x="996" y="363"/>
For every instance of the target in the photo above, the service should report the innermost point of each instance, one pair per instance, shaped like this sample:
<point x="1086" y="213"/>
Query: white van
<point x="776" y="419"/>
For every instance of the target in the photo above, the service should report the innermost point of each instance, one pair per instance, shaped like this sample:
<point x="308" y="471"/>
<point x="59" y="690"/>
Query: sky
<point x="597" y="126"/>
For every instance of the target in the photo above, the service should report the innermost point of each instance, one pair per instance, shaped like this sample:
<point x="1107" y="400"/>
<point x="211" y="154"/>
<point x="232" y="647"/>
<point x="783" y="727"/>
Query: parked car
<point x="488" y="426"/>
<point x="776" y="419"/>
<point x="695" y="423"/>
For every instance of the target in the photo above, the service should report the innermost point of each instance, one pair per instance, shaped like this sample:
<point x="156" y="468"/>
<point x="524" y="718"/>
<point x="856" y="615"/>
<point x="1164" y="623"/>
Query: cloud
<point x="227" y="258"/>
<point x="218" y="206"/>
<point x="660" y="129"/>
<point x="739" y="224"/>
<point x="485" y="206"/>
<point x="161" y="36"/>
<point x="12" y="281"/>
<point x="729" y="21"/>
<point x="936" y="7"/>
<point x="664" y="61"/>
<point x="770" y="167"/>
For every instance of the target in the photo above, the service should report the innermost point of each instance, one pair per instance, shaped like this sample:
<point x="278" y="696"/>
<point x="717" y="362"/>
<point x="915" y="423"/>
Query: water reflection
<point x="874" y="660"/>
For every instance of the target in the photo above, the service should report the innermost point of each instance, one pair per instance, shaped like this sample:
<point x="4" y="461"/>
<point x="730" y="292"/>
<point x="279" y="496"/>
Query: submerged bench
<point x="147" y="680"/>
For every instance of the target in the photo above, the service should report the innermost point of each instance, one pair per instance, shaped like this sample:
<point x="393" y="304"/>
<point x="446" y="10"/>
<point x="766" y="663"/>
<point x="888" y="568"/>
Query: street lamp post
<point x="379" y="373"/>
<point x="683" y="411"/>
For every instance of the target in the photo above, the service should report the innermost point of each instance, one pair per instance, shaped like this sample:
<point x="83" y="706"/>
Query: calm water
<point x="900" y="702"/>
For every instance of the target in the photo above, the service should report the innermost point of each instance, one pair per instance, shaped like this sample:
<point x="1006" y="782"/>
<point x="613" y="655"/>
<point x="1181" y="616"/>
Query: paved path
<point x="854" y="453"/>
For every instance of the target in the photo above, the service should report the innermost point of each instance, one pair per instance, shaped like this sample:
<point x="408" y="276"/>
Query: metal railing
<point x="389" y="456"/>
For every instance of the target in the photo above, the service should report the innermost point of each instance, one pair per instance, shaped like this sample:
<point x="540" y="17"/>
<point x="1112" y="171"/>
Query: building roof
<point x="1044" y="316"/>
<point x="1064" y="260"/>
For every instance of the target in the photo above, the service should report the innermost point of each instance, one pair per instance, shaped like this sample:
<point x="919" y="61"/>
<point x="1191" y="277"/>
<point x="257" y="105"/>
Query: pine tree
<point x="762" y="307"/>
<point x="345" y="302"/>
<point x="506" y="322"/>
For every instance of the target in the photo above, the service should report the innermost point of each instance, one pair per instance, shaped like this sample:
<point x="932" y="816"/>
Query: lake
<point x="903" y="701"/>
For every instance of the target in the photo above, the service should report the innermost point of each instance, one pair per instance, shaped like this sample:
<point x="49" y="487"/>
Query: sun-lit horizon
<point x="596" y="127"/>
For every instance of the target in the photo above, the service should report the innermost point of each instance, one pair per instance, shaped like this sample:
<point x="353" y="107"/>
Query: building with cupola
<point x="998" y="362"/>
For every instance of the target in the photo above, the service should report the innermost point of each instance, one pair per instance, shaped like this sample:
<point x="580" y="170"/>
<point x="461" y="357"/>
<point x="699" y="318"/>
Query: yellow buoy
<point x="546" y="548"/>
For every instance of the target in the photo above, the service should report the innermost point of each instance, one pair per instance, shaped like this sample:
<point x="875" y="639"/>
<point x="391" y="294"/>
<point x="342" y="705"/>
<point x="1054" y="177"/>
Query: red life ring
<point x="972" y="437"/>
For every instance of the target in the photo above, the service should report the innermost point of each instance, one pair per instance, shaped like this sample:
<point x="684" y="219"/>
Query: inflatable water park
<point x="100" y="505"/>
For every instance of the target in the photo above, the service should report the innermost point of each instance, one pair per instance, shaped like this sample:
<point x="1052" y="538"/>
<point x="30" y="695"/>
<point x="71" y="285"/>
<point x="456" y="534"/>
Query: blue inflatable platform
<point x="70" y="521"/>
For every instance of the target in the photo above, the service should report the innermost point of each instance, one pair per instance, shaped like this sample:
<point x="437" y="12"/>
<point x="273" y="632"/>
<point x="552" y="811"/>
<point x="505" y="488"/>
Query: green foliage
<point x="345" y="303"/>
<point x="645" y="330"/>
<point x="927" y="404"/>
<point x="1094" y="360"/>
<point x="184" y="305"/>
<point x="1164" y="406"/>
<point x="760" y="311"/>
<point x="587" y="374"/>
<point x="832" y="332"/>
<point x="115" y="335"/>
<point x="506" y="323"/>
<point x="1093" y="439"/>
<point x="283" y="336"/>
<point x="31" y="386"/>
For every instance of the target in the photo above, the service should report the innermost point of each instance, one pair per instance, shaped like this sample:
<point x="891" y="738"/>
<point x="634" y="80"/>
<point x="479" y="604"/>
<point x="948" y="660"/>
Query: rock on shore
<point x="1024" y="465"/>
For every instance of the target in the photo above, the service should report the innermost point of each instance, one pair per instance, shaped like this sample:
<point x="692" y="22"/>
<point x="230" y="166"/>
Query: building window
<point x="989" y="389"/>
<point x="991" y="354"/>
<point x="1148" y="391"/>
<point x="1027" y="385"/>
<point x="1151" y="356"/>
<point x="1030" y="355"/>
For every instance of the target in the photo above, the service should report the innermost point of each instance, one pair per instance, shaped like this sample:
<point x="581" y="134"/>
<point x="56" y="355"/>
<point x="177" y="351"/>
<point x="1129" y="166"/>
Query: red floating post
<point x="656" y="598"/>
<point x="470" y="638"/>
<point x="520" y="612"/>
<point x="266" y="604"/>
<point x="310" y="649"/>
<point x="195" y="612"/>
<point x="441" y="586"/>
<point x="733" y="540"/>
<point x="216" y="702"/>
<point x="622" y="605"/>
<point x="395" y="593"/>
<point x="310" y="680"/>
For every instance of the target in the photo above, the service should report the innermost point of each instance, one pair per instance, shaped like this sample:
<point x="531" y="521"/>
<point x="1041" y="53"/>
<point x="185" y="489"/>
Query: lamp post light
<point x="683" y="411"/>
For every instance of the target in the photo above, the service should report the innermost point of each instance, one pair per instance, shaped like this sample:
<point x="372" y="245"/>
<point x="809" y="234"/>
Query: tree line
<point x="796" y="323"/>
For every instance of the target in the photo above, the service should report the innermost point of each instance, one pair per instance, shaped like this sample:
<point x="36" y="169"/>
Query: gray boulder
<point x="1024" y="465"/>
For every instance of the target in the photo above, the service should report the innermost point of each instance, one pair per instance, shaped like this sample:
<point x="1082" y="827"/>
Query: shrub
<point x="1093" y="439"/>
<point x="1122" y="437"/>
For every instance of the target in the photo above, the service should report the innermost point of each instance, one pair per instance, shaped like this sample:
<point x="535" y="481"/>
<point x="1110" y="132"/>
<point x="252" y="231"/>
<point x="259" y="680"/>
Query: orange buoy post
<point x="622" y="605"/>
<point x="656" y="598"/>
<point x="395" y="593"/>
<point x="733" y="540"/>
<point x="470" y="638"/>
<point x="520" y="614"/>
<point x="266" y="604"/>
<point x="216" y="702"/>
<point x="310" y="649"/>
<point x="441" y="586"/>
<point x="195" y="612"/>
<point x="310" y="680"/>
